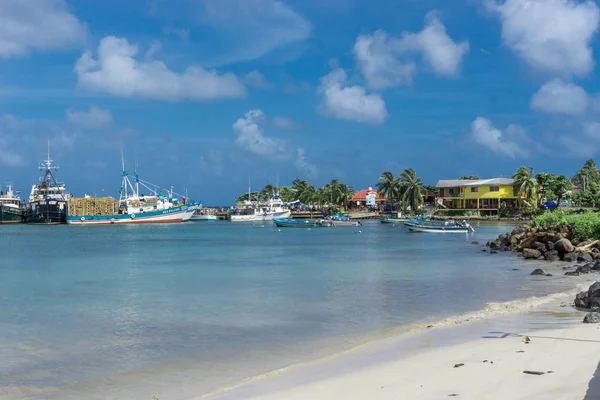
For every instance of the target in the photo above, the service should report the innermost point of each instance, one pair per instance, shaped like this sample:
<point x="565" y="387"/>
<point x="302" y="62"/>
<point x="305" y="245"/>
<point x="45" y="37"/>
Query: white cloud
<point x="505" y="143"/>
<point x="574" y="147"/>
<point x="384" y="61"/>
<point x="249" y="136"/>
<point x="10" y="131"/>
<point x="550" y="35"/>
<point x="377" y="60"/>
<point x="310" y="170"/>
<point x="183" y="34"/>
<point x="95" y="118"/>
<point x="26" y="25"/>
<point x="256" y="79"/>
<point x="591" y="130"/>
<point x="557" y="96"/>
<point x="251" y="29"/>
<point x="350" y="102"/>
<point x="117" y="72"/>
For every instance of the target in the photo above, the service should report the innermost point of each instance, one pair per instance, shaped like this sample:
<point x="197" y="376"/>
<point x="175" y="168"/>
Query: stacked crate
<point x="93" y="206"/>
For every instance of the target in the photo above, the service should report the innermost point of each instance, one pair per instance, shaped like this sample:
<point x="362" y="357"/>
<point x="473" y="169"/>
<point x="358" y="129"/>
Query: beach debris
<point x="550" y="372"/>
<point x="485" y="361"/>
<point x="459" y="365"/>
<point x="538" y="271"/>
<point x="278" y="230"/>
<point x="549" y="275"/>
<point x="534" y="372"/>
<point x="591" y="318"/>
<point x="453" y="395"/>
<point x="526" y="339"/>
<point x="520" y="351"/>
<point x="429" y="326"/>
<point x="475" y="242"/>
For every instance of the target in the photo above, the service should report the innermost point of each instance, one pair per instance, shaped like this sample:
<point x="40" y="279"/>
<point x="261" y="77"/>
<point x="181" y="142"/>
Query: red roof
<point x="362" y="195"/>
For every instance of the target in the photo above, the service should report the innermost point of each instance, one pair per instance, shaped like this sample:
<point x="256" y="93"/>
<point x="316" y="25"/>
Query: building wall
<point x="484" y="192"/>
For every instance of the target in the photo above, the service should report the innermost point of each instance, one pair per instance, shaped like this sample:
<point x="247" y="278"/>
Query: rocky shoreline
<point x="557" y="244"/>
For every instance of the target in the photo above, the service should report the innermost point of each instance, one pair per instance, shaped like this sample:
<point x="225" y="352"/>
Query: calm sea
<point x="174" y="311"/>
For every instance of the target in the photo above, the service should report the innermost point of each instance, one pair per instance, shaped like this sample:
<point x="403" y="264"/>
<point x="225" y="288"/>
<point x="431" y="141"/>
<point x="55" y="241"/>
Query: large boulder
<point x="581" y="300"/>
<point x="583" y="269"/>
<point x="550" y="245"/>
<point x="570" y="257"/>
<point x="557" y="237"/>
<point x="596" y="266"/>
<point x="584" y="257"/>
<point x="594" y="290"/>
<point x="594" y="304"/>
<point x="563" y="246"/>
<point x="539" y="246"/>
<point x="591" y="318"/>
<point x="572" y="273"/>
<point x="551" y="255"/>
<point x="531" y="254"/>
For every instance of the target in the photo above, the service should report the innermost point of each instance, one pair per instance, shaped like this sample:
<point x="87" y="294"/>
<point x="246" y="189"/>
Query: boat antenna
<point x="249" y="199"/>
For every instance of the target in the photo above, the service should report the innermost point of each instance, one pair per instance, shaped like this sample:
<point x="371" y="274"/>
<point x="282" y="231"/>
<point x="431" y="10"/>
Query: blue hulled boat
<point x="295" y="223"/>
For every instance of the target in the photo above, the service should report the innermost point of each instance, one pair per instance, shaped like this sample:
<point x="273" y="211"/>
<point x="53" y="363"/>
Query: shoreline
<point x="332" y="375"/>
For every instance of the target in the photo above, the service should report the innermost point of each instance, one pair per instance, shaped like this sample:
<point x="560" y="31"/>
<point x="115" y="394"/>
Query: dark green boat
<point x="12" y="210"/>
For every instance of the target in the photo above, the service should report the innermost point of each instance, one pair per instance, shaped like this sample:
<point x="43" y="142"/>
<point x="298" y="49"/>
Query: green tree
<point x="267" y="192"/>
<point x="254" y="196"/>
<point x="560" y="187"/>
<point x="288" y="194"/>
<point x="546" y="183"/>
<point x="587" y="175"/>
<point x="412" y="189"/>
<point x="469" y="178"/>
<point x="390" y="186"/>
<point x="526" y="185"/>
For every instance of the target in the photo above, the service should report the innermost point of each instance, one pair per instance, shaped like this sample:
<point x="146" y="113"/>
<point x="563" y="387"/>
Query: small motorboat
<point x="295" y="223"/>
<point x="446" y="227"/>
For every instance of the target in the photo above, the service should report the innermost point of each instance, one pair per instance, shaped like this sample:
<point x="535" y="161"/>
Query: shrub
<point x="583" y="226"/>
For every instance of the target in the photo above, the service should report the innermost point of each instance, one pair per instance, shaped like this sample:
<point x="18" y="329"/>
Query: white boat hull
<point x="437" y="229"/>
<point x="204" y="218"/>
<point x="189" y="213"/>
<point x="267" y="216"/>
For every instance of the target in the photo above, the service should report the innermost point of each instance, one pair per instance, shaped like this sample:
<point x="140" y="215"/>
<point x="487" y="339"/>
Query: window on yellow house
<point x="474" y="189"/>
<point x="494" y="188"/>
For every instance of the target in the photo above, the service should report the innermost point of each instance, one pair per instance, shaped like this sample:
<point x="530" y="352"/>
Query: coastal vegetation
<point x="582" y="225"/>
<point x="405" y="191"/>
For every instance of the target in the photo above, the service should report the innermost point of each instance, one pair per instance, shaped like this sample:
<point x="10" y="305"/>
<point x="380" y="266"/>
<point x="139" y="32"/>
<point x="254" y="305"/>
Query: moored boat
<point x="274" y="208"/>
<point x="295" y="223"/>
<point x="396" y="218"/>
<point x="203" y="215"/>
<point x="159" y="206"/>
<point x="48" y="199"/>
<point x="457" y="227"/>
<point x="191" y="209"/>
<point x="12" y="210"/>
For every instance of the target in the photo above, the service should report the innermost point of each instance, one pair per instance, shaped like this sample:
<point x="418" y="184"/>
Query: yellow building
<point x="481" y="194"/>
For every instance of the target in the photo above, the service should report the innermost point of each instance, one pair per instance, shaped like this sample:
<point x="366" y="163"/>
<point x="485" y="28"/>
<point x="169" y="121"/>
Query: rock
<point x="583" y="256"/>
<point x="596" y="266"/>
<point x="549" y="275"/>
<point x="557" y="237"/>
<point x="550" y="245"/>
<point x="570" y="257"/>
<point x="585" y="243"/>
<point x="493" y="251"/>
<point x="475" y="242"/>
<point x="581" y="300"/>
<point x="594" y="304"/>
<point x="572" y="273"/>
<point x="538" y="272"/>
<point x="591" y="318"/>
<point x="531" y="254"/>
<point x="551" y="255"/>
<point x="583" y="270"/>
<point x="594" y="290"/>
<point x="563" y="246"/>
<point x="575" y="242"/>
<point x="539" y="246"/>
<point x="541" y="258"/>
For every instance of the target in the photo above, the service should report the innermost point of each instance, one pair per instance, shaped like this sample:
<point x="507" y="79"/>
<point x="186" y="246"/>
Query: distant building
<point x="368" y="198"/>
<point x="485" y="195"/>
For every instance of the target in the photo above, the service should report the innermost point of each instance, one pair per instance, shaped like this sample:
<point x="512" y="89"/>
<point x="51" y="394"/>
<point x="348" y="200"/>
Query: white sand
<point x="421" y="366"/>
<point x="572" y="354"/>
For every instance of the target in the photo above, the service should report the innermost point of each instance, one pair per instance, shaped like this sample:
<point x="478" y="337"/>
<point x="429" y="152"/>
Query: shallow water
<point x="139" y="311"/>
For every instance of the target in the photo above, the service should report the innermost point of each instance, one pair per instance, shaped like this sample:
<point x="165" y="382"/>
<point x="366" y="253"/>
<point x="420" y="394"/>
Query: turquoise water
<point x="178" y="310"/>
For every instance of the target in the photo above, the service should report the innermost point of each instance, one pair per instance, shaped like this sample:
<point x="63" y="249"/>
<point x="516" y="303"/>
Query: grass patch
<point x="583" y="226"/>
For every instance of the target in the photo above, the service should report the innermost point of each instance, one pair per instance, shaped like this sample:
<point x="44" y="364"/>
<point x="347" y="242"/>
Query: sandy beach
<point x="481" y="359"/>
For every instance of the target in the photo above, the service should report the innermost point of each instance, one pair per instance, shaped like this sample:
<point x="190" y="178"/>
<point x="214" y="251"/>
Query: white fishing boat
<point x="203" y="215"/>
<point x="274" y="208"/>
<point x="458" y="227"/>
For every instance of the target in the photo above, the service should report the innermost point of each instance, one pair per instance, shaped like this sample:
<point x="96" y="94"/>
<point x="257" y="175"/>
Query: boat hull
<point x="46" y="212"/>
<point x="11" y="215"/>
<point x="191" y="209"/>
<point x="168" y="216"/>
<point x="344" y="223"/>
<point x="439" y="229"/>
<point x="260" y="217"/>
<point x="291" y="223"/>
<point x="204" y="218"/>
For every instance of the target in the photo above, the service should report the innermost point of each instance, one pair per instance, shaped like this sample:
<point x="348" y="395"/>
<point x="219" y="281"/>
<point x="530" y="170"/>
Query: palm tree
<point x="267" y="192"/>
<point x="389" y="185"/>
<point x="526" y="185"/>
<point x="412" y="189"/>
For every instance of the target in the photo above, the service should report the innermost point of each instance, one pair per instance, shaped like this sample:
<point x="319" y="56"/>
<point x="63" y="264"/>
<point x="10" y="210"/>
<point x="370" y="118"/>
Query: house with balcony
<point x="483" y="195"/>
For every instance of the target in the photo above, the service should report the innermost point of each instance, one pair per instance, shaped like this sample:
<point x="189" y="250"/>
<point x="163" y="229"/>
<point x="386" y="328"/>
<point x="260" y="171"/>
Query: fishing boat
<point x="203" y="215"/>
<point x="191" y="209"/>
<point x="12" y="209"/>
<point x="133" y="207"/>
<point x="458" y="227"/>
<point x="340" y="219"/>
<point x="274" y="208"/>
<point x="48" y="199"/>
<point x="295" y="223"/>
<point x="396" y="218"/>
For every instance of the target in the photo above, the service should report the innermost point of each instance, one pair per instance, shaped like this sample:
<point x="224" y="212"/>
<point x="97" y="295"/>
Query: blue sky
<point x="203" y="93"/>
